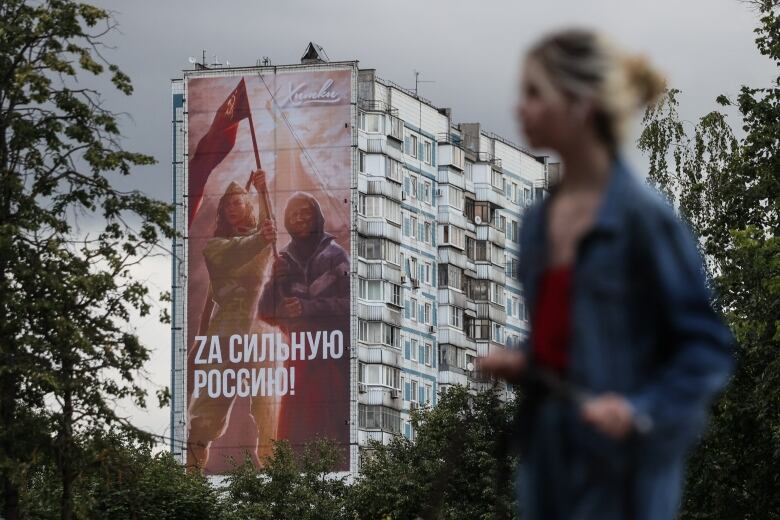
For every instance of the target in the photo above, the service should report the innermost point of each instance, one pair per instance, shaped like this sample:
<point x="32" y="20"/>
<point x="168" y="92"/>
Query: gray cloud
<point x="470" y="49"/>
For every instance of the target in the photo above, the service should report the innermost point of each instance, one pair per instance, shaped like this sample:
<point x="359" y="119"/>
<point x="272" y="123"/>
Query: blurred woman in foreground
<point x="618" y="302"/>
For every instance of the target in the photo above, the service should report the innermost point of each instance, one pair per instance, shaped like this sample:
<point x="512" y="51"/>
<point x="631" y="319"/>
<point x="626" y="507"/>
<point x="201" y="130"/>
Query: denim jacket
<point x="642" y="324"/>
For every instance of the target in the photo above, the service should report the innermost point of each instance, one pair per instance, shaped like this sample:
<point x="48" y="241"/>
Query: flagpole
<point x="266" y="196"/>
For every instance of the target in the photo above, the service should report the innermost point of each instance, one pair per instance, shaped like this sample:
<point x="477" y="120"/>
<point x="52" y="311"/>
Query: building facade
<point x="436" y="216"/>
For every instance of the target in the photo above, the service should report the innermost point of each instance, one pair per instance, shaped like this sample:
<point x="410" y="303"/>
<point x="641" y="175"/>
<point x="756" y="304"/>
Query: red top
<point x="551" y="323"/>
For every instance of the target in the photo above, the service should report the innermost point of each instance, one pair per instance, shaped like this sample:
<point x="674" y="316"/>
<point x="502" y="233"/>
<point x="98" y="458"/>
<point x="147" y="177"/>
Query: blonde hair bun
<point x="646" y="79"/>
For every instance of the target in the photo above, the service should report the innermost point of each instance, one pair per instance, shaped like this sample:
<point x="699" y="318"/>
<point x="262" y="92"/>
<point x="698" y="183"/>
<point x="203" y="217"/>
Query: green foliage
<point x="124" y="480"/>
<point x="287" y="487"/>
<point x="457" y="466"/>
<point x="66" y="249"/>
<point x="729" y="190"/>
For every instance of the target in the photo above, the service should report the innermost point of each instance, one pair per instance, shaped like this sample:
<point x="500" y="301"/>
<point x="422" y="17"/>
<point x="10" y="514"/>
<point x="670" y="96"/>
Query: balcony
<point x="378" y="311"/>
<point x="380" y="145"/>
<point x="491" y="234"/>
<point x="450" y="336"/>
<point x="485" y="192"/>
<point x="489" y="158"/>
<point x="491" y="311"/>
<point x="448" y="296"/>
<point x="453" y="378"/>
<point x="380" y="395"/>
<point x="378" y="270"/>
<point x="378" y="227"/>
<point x="491" y="272"/>
<point x="379" y="355"/>
<point x="366" y="436"/>
<point x="390" y="190"/>
<point x="376" y="105"/>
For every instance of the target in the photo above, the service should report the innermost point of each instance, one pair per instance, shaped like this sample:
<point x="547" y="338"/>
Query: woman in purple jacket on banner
<point x="625" y="352"/>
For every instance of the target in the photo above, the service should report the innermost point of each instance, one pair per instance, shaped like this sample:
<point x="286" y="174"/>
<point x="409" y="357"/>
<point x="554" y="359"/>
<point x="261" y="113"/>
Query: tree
<point x="456" y="467"/>
<point x="729" y="191"/>
<point x="124" y="479"/>
<point x="66" y="295"/>
<point x="286" y="487"/>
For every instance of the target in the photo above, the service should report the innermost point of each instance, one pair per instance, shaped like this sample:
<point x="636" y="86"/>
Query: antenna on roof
<point x="417" y="81"/>
<point x="200" y="65"/>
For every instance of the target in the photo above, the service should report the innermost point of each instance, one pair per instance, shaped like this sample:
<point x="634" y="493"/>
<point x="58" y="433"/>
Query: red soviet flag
<point x="216" y="144"/>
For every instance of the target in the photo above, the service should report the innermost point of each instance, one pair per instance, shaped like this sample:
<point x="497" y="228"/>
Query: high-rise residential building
<point x="436" y="213"/>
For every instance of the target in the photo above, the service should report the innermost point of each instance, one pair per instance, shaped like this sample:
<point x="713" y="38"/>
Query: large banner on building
<point x="268" y="320"/>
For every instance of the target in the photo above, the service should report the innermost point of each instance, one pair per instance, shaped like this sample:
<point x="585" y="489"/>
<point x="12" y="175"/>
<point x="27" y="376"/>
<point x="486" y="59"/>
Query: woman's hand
<point x="611" y="414"/>
<point x="268" y="230"/>
<point x="505" y="364"/>
<point x="258" y="180"/>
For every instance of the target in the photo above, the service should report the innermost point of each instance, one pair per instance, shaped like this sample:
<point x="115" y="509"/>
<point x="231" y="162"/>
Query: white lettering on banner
<point x="228" y="382"/>
<point x="215" y="353"/>
<point x="234" y="355"/>
<point x="198" y="357"/>
<point x="297" y="96"/>
<point x="273" y="347"/>
<point x="245" y="382"/>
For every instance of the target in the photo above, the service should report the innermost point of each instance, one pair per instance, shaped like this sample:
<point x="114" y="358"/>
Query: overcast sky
<point x="470" y="49"/>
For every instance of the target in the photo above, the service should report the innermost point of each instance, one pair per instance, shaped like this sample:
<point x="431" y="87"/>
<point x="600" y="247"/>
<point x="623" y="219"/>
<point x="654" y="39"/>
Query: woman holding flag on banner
<point x="236" y="257"/>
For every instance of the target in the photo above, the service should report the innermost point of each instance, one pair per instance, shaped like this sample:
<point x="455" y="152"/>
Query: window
<point x="498" y="333"/>
<point x="370" y="331"/>
<point x="395" y="294"/>
<point x="375" y="332"/>
<point x="370" y="206"/>
<point x="370" y="248"/>
<point x="469" y="170"/>
<point x="456" y="318"/>
<point x="413" y="268"/>
<point x="428" y="353"/>
<point x="392" y="211"/>
<point x="428" y="152"/>
<point x="410" y="145"/>
<point x="413" y="310"/>
<point x="477" y="289"/>
<point x="450" y="276"/>
<point x="371" y="122"/>
<point x="496" y="180"/>
<point x="392" y="335"/>
<point x="427" y="233"/>
<point x="453" y="235"/>
<point x="481" y="251"/>
<point x="478" y="329"/>
<point x="376" y="417"/>
<point x="414" y="395"/>
<point x="414" y="349"/>
<point x="427" y="273"/>
<point x="497" y="294"/>
<point x="427" y="192"/>
<point x="421" y="353"/>
<point x="428" y="393"/>
<point x="392" y="252"/>
<point x="370" y="289"/>
<point x="413" y="181"/>
<point x="482" y="210"/>
<point x="427" y="313"/>
<point x="527" y="195"/>
<point x="455" y="197"/>
<point x="468" y="209"/>
<point x="362" y="161"/>
<point x="413" y="224"/>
